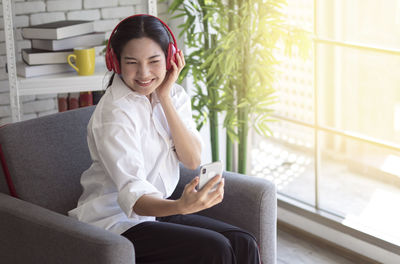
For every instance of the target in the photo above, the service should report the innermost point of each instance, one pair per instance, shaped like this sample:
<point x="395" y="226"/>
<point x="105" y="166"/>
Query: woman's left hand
<point x="172" y="75"/>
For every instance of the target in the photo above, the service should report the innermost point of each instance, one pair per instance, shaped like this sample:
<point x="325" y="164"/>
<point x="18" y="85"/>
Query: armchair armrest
<point x="33" y="234"/>
<point x="249" y="203"/>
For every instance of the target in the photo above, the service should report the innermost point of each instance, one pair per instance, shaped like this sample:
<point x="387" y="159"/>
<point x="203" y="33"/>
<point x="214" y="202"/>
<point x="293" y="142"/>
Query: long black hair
<point x="138" y="27"/>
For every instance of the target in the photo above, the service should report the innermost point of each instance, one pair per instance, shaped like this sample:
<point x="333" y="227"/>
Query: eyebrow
<point x="149" y="58"/>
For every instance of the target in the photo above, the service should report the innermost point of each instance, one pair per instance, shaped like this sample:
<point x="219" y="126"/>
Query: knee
<point x="219" y="249"/>
<point x="245" y="239"/>
<point x="245" y="247"/>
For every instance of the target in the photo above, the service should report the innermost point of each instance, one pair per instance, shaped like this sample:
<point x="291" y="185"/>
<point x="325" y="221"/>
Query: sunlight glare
<point x="392" y="165"/>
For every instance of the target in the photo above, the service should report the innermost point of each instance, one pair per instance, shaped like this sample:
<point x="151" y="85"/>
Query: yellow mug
<point x="83" y="60"/>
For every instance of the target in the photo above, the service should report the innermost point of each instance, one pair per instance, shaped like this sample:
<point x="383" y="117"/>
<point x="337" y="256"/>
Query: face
<point x="143" y="65"/>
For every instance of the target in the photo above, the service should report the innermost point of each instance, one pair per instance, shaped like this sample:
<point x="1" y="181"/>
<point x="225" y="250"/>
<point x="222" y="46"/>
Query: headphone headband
<point x="137" y="15"/>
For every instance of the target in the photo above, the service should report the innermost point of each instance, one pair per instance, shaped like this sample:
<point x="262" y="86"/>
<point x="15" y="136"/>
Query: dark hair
<point x="138" y="27"/>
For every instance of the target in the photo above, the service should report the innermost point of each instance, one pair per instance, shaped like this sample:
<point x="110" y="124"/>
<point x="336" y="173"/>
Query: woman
<point x="139" y="132"/>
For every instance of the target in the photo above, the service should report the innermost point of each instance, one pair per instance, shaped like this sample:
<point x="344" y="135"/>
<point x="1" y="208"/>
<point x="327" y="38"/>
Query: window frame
<point x="314" y="211"/>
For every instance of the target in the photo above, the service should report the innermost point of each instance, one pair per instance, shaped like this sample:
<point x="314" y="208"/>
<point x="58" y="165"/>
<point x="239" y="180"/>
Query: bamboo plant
<point x="200" y="39"/>
<point x="240" y="68"/>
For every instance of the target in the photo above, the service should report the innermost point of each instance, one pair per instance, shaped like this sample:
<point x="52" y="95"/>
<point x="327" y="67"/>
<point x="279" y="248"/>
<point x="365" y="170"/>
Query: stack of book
<point x="51" y="45"/>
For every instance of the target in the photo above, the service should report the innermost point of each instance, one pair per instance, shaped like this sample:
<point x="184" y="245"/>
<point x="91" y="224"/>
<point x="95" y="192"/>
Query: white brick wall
<point x="105" y="25"/>
<point x="99" y="3"/>
<point x="4" y="99"/>
<point x="115" y="12"/>
<point x="23" y="44"/>
<point x="29" y="7"/>
<point x="3" y="60"/>
<point x="39" y="106"/>
<point x="21" y="21"/>
<point x="64" y="5"/>
<point x="93" y="14"/>
<point x="105" y="13"/>
<point x="131" y="2"/>
<point x="2" y="48"/>
<point x="141" y="9"/>
<point x="4" y="111"/>
<point x="46" y="17"/>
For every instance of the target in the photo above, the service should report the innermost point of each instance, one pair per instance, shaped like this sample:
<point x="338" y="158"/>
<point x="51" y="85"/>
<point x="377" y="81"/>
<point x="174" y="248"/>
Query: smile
<point x="144" y="83"/>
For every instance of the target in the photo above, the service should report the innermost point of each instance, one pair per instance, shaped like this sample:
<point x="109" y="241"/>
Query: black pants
<point x="192" y="239"/>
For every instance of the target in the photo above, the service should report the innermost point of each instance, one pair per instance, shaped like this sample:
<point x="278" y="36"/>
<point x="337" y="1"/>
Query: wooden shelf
<point x="64" y="83"/>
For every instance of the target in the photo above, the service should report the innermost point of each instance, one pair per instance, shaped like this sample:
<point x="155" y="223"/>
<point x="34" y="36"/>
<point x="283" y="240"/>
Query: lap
<point x="164" y="242"/>
<point x="204" y="222"/>
<point x="186" y="239"/>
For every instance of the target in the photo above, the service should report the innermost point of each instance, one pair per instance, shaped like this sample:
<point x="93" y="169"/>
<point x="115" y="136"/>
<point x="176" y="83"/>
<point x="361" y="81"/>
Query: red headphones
<point x="112" y="60"/>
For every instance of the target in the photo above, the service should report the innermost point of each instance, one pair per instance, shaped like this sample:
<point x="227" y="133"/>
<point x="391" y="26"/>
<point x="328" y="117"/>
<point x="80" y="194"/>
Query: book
<point x="36" y="57"/>
<point x="25" y="70"/>
<point x="73" y="100"/>
<point x="85" y="99"/>
<point x="62" y="100"/>
<point x="88" y="40"/>
<point x="58" y="29"/>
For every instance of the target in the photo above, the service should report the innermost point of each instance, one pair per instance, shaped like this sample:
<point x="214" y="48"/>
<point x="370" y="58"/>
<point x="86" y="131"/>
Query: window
<point x="336" y="145"/>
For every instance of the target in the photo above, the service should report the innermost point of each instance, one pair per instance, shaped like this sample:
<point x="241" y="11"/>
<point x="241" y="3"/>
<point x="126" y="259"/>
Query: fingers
<point x="194" y="201"/>
<point x="192" y="185"/>
<point x="180" y="61"/>
<point x="210" y="184"/>
<point x="218" y="194"/>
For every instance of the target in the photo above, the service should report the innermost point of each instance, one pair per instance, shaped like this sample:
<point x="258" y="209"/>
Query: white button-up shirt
<point x="133" y="154"/>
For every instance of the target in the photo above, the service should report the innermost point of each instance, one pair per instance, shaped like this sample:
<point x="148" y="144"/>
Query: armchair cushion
<point x="249" y="203"/>
<point x="32" y="234"/>
<point x="52" y="154"/>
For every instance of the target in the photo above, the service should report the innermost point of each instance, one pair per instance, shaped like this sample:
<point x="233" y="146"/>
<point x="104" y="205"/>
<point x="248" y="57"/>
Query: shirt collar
<point x="119" y="89"/>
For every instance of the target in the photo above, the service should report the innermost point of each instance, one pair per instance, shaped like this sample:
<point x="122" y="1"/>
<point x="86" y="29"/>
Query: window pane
<point x="294" y="79"/>
<point x="300" y="13"/>
<point x="361" y="182"/>
<point x="371" y="22"/>
<point x="294" y="89"/>
<point x="287" y="160"/>
<point x="359" y="91"/>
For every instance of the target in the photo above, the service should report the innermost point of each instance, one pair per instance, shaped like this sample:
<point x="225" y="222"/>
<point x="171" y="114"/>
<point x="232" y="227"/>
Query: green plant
<point x="240" y="67"/>
<point x="200" y="38"/>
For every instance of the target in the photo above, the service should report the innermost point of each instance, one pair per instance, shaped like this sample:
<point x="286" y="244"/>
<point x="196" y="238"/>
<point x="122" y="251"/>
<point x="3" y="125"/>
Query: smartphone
<point x="208" y="171"/>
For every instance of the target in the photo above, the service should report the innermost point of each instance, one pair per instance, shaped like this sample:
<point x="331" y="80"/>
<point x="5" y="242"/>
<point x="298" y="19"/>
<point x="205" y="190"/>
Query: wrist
<point x="164" y="99"/>
<point x="180" y="208"/>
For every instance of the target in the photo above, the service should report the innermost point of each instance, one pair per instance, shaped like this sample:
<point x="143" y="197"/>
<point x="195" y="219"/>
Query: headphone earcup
<point x="109" y="60"/>
<point x="112" y="61"/>
<point x="171" y="55"/>
<point x="116" y="67"/>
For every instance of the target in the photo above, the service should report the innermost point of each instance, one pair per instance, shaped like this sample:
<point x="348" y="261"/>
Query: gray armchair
<point x="42" y="160"/>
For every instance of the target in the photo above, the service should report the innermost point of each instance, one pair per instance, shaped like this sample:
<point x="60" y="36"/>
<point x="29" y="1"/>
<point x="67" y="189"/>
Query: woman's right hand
<point x="193" y="200"/>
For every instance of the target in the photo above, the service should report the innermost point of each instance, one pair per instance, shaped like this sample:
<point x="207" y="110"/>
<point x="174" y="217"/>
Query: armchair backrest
<point x="3" y="184"/>
<point x="45" y="158"/>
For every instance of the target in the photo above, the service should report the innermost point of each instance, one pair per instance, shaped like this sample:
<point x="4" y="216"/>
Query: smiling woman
<point x="140" y="131"/>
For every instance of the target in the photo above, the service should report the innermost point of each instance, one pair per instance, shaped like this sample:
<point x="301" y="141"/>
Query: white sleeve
<point x="183" y="106"/>
<point x="119" y="151"/>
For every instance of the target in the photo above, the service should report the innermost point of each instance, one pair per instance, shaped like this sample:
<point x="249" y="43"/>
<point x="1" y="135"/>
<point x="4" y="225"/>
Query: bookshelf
<point x="50" y="84"/>
<point x="64" y="82"/>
